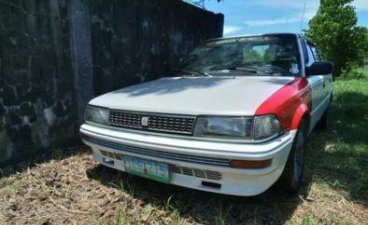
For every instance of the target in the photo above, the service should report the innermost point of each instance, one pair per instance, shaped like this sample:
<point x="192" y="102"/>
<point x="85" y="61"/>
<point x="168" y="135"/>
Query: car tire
<point x="292" y="176"/>
<point x="322" y="124"/>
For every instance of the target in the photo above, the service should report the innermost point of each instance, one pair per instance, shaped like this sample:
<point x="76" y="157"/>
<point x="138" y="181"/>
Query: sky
<point x="243" y="17"/>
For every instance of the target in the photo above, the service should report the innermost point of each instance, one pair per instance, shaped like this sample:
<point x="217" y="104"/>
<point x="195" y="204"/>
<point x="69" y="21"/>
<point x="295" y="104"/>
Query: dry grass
<point x="73" y="189"/>
<point x="68" y="187"/>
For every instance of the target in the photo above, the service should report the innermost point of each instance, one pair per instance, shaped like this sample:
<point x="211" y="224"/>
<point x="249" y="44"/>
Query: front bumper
<point x="188" y="158"/>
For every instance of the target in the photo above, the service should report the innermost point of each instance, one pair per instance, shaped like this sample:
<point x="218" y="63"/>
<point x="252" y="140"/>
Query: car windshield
<point x="267" y="55"/>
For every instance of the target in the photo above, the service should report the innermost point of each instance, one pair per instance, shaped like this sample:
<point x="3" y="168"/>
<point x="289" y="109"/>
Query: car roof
<point x="253" y="35"/>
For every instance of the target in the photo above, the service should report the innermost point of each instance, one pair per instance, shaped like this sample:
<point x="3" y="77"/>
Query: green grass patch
<point x="340" y="155"/>
<point x="308" y="220"/>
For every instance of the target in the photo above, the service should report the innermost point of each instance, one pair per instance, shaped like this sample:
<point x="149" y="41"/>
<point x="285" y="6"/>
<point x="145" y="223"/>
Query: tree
<point x="363" y="44"/>
<point x="251" y="55"/>
<point x="334" y="30"/>
<point x="366" y="51"/>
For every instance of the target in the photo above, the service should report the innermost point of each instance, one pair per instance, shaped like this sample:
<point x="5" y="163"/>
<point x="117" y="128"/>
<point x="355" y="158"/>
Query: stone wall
<point x="144" y="38"/>
<point x="36" y="83"/>
<point x="55" y="55"/>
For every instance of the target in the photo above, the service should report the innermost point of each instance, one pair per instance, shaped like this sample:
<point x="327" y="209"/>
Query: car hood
<point x="195" y="95"/>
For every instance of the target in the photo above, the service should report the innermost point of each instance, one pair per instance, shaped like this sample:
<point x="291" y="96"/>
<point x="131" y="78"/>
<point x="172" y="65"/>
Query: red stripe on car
<point x="289" y="103"/>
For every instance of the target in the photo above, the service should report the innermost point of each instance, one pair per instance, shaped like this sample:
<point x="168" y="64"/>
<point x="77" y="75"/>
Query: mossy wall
<point x="55" y="55"/>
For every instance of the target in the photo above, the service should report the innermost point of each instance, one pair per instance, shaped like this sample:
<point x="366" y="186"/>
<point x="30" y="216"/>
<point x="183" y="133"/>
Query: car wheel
<point x="322" y="124"/>
<point x="292" y="176"/>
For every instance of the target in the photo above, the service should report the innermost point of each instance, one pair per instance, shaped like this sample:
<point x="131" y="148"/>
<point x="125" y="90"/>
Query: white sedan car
<point x="233" y="120"/>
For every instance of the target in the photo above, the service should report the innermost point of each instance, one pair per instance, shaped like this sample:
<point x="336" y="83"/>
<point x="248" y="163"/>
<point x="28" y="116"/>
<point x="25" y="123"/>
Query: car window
<point x="311" y="58"/>
<point x="276" y="55"/>
<point x="316" y="54"/>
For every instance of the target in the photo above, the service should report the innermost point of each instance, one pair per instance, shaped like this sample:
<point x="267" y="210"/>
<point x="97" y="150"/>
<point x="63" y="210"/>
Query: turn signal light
<point x="250" y="164"/>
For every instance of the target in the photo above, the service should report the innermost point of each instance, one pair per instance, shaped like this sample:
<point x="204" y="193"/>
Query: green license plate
<point x="146" y="168"/>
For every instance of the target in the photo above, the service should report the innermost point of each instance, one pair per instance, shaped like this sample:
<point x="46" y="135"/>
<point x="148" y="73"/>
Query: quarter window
<point x="316" y="54"/>
<point x="311" y="58"/>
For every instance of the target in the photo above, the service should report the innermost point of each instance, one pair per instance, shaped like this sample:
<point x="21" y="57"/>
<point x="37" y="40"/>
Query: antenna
<point x="302" y="20"/>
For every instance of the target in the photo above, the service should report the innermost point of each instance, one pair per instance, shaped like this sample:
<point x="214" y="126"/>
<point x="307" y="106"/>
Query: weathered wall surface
<point x="55" y="55"/>
<point x="36" y="86"/>
<point x="144" y="37"/>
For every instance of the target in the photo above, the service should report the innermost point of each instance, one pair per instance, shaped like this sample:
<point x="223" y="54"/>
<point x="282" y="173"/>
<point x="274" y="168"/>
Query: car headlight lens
<point x="256" y="128"/>
<point x="224" y="126"/>
<point x="96" y="114"/>
<point x="266" y="127"/>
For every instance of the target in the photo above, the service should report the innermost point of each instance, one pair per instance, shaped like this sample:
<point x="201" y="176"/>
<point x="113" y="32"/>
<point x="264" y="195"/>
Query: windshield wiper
<point x="192" y="72"/>
<point x="251" y="70"/>
<point x="247" y="69"/>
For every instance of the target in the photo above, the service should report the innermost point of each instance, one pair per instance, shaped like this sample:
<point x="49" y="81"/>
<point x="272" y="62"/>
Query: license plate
<point x="147" y="168"/>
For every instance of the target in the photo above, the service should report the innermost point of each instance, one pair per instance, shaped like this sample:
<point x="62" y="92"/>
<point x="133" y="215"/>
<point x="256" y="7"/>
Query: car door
<point x="327" y="82"/>
<point x="317" y="85"/>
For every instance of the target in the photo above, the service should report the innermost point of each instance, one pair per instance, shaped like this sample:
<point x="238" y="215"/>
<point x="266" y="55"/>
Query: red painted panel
<point x="289" y="103"/>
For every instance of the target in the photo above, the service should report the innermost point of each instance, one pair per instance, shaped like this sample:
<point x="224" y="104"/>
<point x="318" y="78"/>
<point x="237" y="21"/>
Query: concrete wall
<point x="55" y="55"/>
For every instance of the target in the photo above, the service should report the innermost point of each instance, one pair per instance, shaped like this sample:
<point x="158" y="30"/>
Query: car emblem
<point x="144" y="121"/>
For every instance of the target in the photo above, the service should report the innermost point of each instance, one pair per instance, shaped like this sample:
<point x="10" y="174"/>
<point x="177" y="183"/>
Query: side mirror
<point x="320" y="68"/>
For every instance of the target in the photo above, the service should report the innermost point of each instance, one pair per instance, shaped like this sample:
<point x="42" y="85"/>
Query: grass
<point x="70" y="188"/>
<point x="345" y="156"/>
<point x="310" y="221"/>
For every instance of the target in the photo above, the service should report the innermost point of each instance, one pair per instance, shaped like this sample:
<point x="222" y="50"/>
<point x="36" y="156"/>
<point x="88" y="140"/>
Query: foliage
<point x="366" y="51"/>
<point x="251" y="55"/>
<point x="335" y="32"/>
<point x="355" y="72"/>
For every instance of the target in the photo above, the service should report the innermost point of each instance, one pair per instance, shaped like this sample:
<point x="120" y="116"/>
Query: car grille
<point x="154" y="122"/>
<point x="206" y="174"/>
<point x="162" y="154"/>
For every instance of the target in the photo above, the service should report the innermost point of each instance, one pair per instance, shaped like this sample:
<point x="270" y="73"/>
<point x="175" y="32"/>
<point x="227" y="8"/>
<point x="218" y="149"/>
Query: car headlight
<point x="224" y="126"/>
<point x="256" y="128"/>
<point x="96" y="114"/>
<point x="266" y="127"/>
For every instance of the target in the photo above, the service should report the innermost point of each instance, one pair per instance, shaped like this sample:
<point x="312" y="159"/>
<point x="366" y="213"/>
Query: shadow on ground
<point x="272" y="207"/>
<point x="53" y="154"/>
<point x="339" y="156"/>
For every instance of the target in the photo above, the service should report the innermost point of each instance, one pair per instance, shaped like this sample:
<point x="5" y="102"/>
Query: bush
<point x="354" y="71"/>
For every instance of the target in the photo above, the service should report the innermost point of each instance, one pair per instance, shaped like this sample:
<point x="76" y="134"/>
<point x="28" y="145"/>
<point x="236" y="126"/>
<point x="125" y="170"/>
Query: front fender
<point x="301" y="112"/>
<point x="290" y="103"/>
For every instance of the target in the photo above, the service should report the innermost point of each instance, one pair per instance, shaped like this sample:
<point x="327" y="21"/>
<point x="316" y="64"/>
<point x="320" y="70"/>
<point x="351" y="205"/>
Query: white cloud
<point x="231" y="29"/>
<point x="295" y="8"/>
<point x="270" y="22"/>
<point x="361" y="5"/>
<point x="287" y="4"/>
<point x="311" y="5"/>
